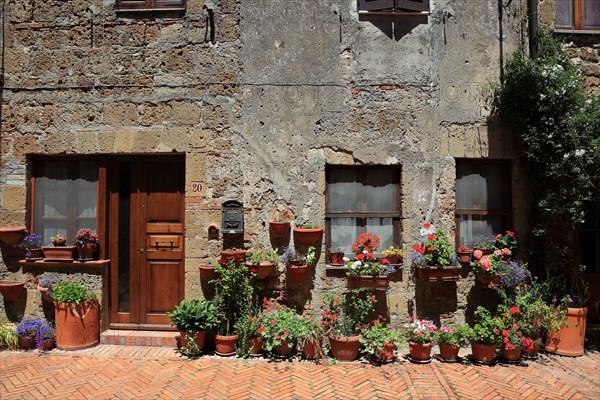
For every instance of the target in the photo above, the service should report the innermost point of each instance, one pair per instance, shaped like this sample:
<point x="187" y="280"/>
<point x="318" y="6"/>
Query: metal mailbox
<point x="233" y="217"/>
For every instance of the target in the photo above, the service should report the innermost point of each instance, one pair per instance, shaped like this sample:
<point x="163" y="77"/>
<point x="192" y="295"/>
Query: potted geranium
<point x="281" y="224"/>
<point x="485" y="244"/>
<point x="86" y="242"/>
<point x="233" y="299"/>
<point x="506" y="241"/>
<point x="77" y="316"/>
<point x="366" y="271"/>
<point x="262" y="263"/>
<point x="345" y="316"/>
<point x="251" y="328"/>
<point x="419" y="333"/>
<point x="382" y="340"/>
<point x="498" y="269"/>
<point x="435" y="260"/>
<point x="311" y="335"/>
<point x="33" y="246"/>
<point x="450" y="339"/>
<point x="484" y="336"/>
<point x="513" y="341"/>
<point x="282" y="328"/>
<point x="464" y="254"/>
<point x="192" y="319"/>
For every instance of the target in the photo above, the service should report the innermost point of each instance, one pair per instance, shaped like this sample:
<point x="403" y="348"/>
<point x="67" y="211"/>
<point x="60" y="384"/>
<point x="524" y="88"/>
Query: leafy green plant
<point x="194" y="315"/>
<point x="309" y="226"/>
<point x="377" y="334"/>
<point x="346" y="315"/>
<point x="436" y="251"/>
<point x="279" y="326"/>
<point x="506" y="241"/>
<point x="420" y="331"/>
<point x="311" y="255"/>
<point x="486" y="329"/>
<point x="71" y="292"/>
<point x="452" y="335"/>
<point x="272" y="256"/>
<point x="8" y="338"/>
<point x="257" y="257"/>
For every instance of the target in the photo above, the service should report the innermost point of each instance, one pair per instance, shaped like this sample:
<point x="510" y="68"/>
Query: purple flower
<point x="41" y="330"/>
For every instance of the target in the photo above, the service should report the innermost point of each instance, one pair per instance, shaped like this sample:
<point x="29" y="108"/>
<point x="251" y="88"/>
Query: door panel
<point x="151" y="257"/>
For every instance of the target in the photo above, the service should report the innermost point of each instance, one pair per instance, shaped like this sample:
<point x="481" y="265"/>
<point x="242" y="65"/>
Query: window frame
<point x="394" y="6"/>
<point x="578" y="19"/>
<point x="396" y="216"/>
<point x="36" y="163"/>
<point x="507" y="213"/>
<point x="150" y="5"/>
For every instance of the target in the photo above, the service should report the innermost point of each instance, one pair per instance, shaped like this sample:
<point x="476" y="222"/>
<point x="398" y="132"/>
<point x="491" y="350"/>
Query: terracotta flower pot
<point x="26" y="342"/>
<point x="11" y="290"/>
<point x="36" y="254"/>
<point x="11" y="236"/>
<point x="336" y="258"/>
<point x="486" y="279"/>
<point x="483" y="353"/>
<point x="200" y="339"/>
<point x="77" y="325"/>
<point x="86" y="252"/>
<point x="279" y="228"/>
<point x="510" y="355"/>
<point x="284" y="349"/>
<point x="387" y="354"/>
<point x="464" y="256"/>
<point x="420" y="351"/>
<point x="45" y="296"/>
<point x="207" y="272"/>
<point x="568" y="341"/>
<point x="308" y="236"/>
<point x="345" y="348"/>
<point x="484" y="252"/>
<point x="297" y="273"/>
<point x="59" y="253"/>
<point x="312" y="350"/>
<point x="255" y="345"/>
<point x="368" y="282"/>
<point x="439" y="273"/>
<point x="262" y="270"/>
<point x="47" y="345"/>
<point x="225" y="345"/>
<point x="240" y="255"/>
<point x="448" y="352"/>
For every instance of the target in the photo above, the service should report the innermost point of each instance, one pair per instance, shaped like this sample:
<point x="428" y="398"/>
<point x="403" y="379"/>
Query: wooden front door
<point x="146" y="240"/>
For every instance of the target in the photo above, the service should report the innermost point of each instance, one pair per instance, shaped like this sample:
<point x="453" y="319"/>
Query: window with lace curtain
<point x="362" y="199"/>
<point x="483" y="199"/>
<point x="64" y="197"/>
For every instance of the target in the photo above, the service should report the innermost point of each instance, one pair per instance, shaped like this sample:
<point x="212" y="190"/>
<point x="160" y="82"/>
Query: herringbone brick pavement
<point x="118" y="372"/>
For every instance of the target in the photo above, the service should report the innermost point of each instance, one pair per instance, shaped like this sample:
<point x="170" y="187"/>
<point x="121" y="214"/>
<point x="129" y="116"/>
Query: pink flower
<point x="498" y="236"/>
<point x="510" y="234"/>
<point x="486" y="263"/>
<point x="477" y="254"/>
<point x="273" y="322"/>
<point x="505" y="251"/>
<point x="265" y="301"/>
<point x="497" y="253"/>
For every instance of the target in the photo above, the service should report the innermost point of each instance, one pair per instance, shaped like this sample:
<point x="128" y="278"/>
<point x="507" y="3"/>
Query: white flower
<point x="346" y="259"/>
<point x="566" y="155"/>
<point x="365" y="252"/>
<point x="579" y="153"/>
<point x="542" y="96"/>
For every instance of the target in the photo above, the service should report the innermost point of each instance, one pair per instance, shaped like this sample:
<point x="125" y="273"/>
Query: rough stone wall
<point x="285" y="89"/>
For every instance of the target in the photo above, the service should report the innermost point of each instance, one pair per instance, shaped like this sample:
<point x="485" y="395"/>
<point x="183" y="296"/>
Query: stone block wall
<point x="284" y="89"/>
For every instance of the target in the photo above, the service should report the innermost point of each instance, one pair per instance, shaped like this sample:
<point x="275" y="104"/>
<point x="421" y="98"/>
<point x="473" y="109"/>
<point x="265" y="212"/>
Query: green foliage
<point x="281" y="325"/>
<point x="436" y="251"/>
<point x="452" y="335"/>
<point x="420" y="331"/>
<point x="8" y="338"/>
<point x="486" y="329"/>
<point x="194" y="316"/>
<point x="233" y="293"/>
<point x="71" y="292"/>
<point x="346" y="315"/>
<point x="377" y="334"/>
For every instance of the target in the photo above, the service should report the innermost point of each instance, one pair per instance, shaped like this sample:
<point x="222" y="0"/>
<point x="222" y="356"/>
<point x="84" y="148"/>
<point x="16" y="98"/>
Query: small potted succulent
<point x="280" y="226"/>
<point x="59" y="251"/>
<point x="33" y="246"/>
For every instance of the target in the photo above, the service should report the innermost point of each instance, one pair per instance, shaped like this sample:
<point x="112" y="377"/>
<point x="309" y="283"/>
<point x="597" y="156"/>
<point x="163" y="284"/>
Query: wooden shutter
<point x="413" y="5"/>
<point x="370" y="5"/>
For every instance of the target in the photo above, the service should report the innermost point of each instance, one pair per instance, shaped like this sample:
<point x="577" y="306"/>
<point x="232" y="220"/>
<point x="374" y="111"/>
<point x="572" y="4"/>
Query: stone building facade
<point x="255" y="101"/>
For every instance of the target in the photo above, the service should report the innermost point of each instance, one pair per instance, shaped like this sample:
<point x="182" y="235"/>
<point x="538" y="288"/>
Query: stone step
<point x="139" y="338"/>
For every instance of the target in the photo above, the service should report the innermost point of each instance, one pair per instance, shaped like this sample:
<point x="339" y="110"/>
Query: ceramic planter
<point x="86" y="252"/>
<point x="285" y="349"/>
<point x="207" y="272"/>
<point x="569" y="340"/>
<point x="464" y="256"/>
<point x="336" y="258"/>
<point x="312" y="349"/>
<point x="387" y="354"/>
<point x="486" y="279"/>
<point x="262" y="270"/>
<point x="297" y="273"/>
<point x="225" y="345"/>
<point x="255" y="345"/>
<point x="513" y="355"/>
<point x="47" y="345"/>
<point x="439" y="273"/>
<point x="36" y="254"/>
<point x="11" y="236"/>
<point x="11" y="290"/>
<point x="279" y="228"/>
<point x="345" y="348"/>
<point x="45" y="296"/>
<point x="77" y="325"/>
<point x="483" y="353"/>
<point x="448" y="352"/>
<point x="59" y="253"/>
<point x="26" y="343"/>
<point x="419" y="351"/>
<point x="200" y="339"/>
<point x="381" y="282"/>
<point x="240" y="255"/>
<point x="308" y="236"/>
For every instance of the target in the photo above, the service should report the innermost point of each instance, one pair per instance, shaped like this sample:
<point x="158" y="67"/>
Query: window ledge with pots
<point x="94" y="263"/>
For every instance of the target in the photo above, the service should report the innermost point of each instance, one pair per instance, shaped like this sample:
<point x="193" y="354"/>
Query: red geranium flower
<point x="273" y="322"/>
<point x="514" y="310"/>
<point x="426" y="225"/>
<point x="384" y="261"/>
<point x="261" y="330"/>
<point x="431" y="237"/>
<point x="360" y="256"/>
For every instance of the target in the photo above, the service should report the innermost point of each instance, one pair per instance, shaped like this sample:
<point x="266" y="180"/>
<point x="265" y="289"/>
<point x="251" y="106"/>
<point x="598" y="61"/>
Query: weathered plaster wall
<point x="286" y="88"/>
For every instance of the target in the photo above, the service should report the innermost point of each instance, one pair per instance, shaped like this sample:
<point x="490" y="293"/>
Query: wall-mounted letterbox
<point x="233" y="217"/>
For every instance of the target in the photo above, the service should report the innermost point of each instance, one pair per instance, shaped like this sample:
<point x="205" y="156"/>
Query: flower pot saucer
<point x="225" y="354"/>
<point x="378" y="361"/>
<point x="511" y="362"/>
<point x="489" y="364"/>
<point x="412" y="360"/>
<point x="457" y="360"/>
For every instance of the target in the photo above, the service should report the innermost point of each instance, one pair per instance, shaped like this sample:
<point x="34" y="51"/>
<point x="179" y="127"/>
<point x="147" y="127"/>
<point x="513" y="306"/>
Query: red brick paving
<point x="118" y="372"/>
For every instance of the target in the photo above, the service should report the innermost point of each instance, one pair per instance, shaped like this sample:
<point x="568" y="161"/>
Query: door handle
<point x="141" y="251"/>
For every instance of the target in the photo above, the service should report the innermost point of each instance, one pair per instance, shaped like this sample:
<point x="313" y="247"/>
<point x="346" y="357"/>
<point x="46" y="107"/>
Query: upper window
<point x="577" y="14"/>
<point x="407" y="5"/>
<point x="362" y="199"/>
<point x="148" y="5"/>
<point x="65" y="197"/>
<point x="483" y="200"/>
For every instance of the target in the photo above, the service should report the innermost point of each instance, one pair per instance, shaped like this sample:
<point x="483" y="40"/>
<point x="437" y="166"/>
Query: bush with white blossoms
<point x="420" y="330"/>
